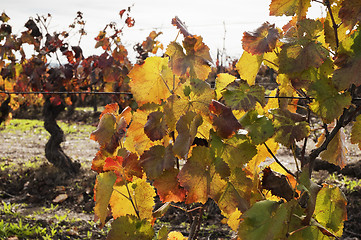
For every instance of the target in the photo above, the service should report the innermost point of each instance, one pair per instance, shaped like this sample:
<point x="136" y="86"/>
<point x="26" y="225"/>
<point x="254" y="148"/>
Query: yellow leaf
<point x="142" y="195"/>
<point x="136" y="140"/>
<point x="262" y="154"/>
<point x="176" y="236"/>
<point x="248" y="66"/>
<point x="153" y="81"/>
<point x="222" y="80"/>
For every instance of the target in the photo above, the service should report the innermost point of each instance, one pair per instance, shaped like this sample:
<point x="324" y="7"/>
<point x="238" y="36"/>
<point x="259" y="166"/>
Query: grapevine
<point x="191" y="140"/>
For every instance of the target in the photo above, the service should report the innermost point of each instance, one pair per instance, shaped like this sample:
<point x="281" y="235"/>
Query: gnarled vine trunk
<point x="53" y="151"/>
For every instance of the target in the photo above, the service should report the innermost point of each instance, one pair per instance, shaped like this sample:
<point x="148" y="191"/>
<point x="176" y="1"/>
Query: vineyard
<point x="262" y="147"/>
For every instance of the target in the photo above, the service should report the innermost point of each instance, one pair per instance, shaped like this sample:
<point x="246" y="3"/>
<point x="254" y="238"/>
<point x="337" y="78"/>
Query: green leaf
<point x="265" y="220"/>
<point x="156" y="160"/>
<point x="248" y="66"/>
<point x="103" y="191"/>
<point x="241" y="96"/>
<point x="289" y="127"/>
<point x="330" y="209"/>
<point x="259" y="128"/>
<point x="235" y="151"/>
<point x="328" y="103"/>
<point x="130" y="228"/>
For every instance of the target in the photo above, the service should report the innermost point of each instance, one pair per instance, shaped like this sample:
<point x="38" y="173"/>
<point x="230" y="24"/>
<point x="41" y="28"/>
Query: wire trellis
<point x="129" y="93"/>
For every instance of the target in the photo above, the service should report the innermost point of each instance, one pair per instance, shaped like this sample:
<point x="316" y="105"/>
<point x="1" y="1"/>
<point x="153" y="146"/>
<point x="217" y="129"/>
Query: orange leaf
<point x="168" y="187"/>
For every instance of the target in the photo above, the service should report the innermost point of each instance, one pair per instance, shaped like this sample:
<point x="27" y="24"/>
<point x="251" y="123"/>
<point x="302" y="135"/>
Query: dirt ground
<point x="27" y="178"/>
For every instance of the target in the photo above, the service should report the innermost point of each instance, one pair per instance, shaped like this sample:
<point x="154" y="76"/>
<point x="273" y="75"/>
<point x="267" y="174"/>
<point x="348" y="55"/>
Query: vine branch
<point x="277" y="161"/>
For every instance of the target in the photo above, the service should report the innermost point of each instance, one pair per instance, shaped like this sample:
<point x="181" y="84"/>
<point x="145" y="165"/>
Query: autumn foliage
<point x="188" y="142"/>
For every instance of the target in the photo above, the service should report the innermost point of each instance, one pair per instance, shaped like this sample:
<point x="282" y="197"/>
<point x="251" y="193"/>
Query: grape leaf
<point x="136" y="140"/>
<point x="289" y="127"/>
<point x="155" y="127"/>
<point x="223" y="119"/>
<point x="105" y="129"/>
<point x="300" y="56"/>
<point x="330" y="209"/>
<point x="347" y="75"/>
<point x="328" y="103"/>
<point x="289" y="7"/>
<point x="222" y="80"/>
<point x="187" y="126"/>
<point x="181" y="26"/>
<point x="241" y="96"/>
<point x="278" y="185"/>
<point x="156" y="160"/>
<point x="194" y="95"/>
<point x="263" y="40"/>
<point x="99" y="160"/>
<point x="248" y="66"/>
<point x="109" y="132"/>
<point x="4" y="18"/>
<point x="194" y="62"/>
<point x="141" y="193"/>
<point x="235" y="151"/>
<point x="231" y="200"/>
<point x="102" y="192"/>
<point x="199" y="178"/>
<point x="168" y="187"/>
<point x="262" y="154"/>
<point x="130" y="228"/>
<point x="259" y="128"/>
<point x="356" y="132"/>
<point x="152" y="81"/>
<point x="329" y="30"/>
<point x="266" y="220"/>
<point x="125" y="168"/>
<point x="174" y="235"/>
<point x="336" y="149"/>
<point x="350" y="12"/>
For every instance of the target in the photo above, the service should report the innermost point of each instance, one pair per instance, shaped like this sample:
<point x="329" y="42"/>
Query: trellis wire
<point x="129" y="93"/>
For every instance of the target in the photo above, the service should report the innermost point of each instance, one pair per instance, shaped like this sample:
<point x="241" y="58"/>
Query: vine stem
<point x="277" y="161"/>
<point x="130" y="196"/>
<point x="46" y="29"/>
<point x="334" y="25"/>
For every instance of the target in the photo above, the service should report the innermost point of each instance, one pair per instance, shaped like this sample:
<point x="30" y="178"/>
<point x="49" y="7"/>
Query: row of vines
<point x="183" y="137"/>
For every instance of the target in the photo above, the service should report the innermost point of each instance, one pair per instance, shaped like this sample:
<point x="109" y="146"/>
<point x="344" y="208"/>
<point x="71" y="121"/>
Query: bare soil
<point x="27" y="178"/>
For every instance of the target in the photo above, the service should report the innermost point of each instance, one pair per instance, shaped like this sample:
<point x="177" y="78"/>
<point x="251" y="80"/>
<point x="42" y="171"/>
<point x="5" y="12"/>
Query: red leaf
<point x="130" y="22"/>
<point x="223" y="119"/>
<point x="122" y="12"/>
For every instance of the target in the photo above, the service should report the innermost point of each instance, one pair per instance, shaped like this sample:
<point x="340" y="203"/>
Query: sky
<point x="220" y="23"/>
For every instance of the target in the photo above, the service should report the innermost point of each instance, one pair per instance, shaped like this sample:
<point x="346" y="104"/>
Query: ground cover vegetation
<point x="200" y="136"/>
